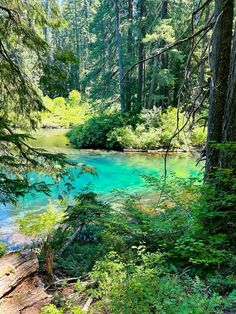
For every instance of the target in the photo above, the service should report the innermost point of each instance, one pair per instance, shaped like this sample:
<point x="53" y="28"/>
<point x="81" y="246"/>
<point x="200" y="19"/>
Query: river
<point x="115" y="171"/>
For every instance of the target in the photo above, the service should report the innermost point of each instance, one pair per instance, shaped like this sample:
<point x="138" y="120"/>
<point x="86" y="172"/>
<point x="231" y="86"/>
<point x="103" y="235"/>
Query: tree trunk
<point x="221" y="158"/>
<point x="163" y="91"/>
<point x="164" y="12"/>
<point x="202" y="68"/>
<point x="152" y="86"/>
<point x="141" y="53"/>
<point x="48" y="261"/>
<point x="228" y="154"/>
<point x="120" y="59"/>
<point x="221" y="48"/>
<point x="129" y="52"/>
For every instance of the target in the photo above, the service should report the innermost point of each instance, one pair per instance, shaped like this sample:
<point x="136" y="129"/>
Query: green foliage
<point x="157" y="129"/>
<point x="170" y="122"/>
<point x="65" y="112"/>
<point x="51" y="309"/>
<point x="198" y="136"/>
<point x="95" y="132"/>
<point x="79" y="286"/>
<point x="41" y="224"/>
<point x="164" y="31"/>
<point x="56" y="80"/>
<point x="150" y="258"/>
<point x="3" y="249"/>
<point x="88" y="215"/>
<point x="139" y="137"/>
<point x="66" y="309"/>
<point x="22" y="50"/>
<point x="148" y="287"/>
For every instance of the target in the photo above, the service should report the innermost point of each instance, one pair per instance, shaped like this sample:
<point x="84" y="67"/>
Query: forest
<point x="118" y="156"/>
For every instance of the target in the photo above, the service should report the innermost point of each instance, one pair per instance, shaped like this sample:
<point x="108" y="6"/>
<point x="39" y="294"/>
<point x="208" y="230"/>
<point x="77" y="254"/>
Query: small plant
<point x="42" y="227"/>
<point x="51" y="309"/>
<point x="3" y="249"/>
<point x="79" y="286"/>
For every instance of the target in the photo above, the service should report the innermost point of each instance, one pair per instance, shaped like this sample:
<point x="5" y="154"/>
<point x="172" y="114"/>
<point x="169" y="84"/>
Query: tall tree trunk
<point x="221" y="151"/>
<point x="164" y="57"/>
<point x="120" y="59"/>
<point x="153" y="81"/>
<point x="77" y="66"/>
<point x="141" y="52"/>
<point x="164" y="12"/>
<point x="228" y="155"/>
<point x="164" y="9"/>
<point x="202" y="68"/>
<point x="130" y="55"/>
<point x="221" y="49"/>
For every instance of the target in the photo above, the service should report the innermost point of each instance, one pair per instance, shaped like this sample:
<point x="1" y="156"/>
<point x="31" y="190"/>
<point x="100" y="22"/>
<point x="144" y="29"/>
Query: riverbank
<point x="56" y="137"/>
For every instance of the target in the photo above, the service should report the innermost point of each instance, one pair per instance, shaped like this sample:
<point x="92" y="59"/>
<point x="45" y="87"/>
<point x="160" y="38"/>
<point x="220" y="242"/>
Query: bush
<point x="198" y="136"/>
<point x="168" y="127"/>
<point x="165" y="261"/>
<point x="65" y="112"/>
<point x="155" y="131"/>
<point x="147" y="287"/>
<point x="149" y="130"/>
<point x="51" y="309"/>
<point x="95" y="132"/>
<point x="138" y="137"/>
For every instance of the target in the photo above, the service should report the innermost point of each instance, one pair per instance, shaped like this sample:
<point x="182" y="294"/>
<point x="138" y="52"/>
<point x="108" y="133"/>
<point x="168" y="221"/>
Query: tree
<point x="21" y="103"/>
<point x="220" y="87"/>
<point x="221" y="141"/>
<point x="42" y="227"/>
<point x="141" y="53"/>
<point x="120" y="59"/>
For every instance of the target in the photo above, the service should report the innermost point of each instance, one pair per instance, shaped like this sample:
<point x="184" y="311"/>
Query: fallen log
<point x="87" y="304"/>
<point x="21" y="290"/>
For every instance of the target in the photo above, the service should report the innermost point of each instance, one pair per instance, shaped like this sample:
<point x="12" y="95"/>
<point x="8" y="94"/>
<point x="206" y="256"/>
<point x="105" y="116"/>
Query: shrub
<point x="168" y="127"/>
<point x="65" y="112"/>
<point x="149" y="130"/>
<point x="198" y="136"/>
<point x="94" y="132"/>
<point x="147" y="287"/>
<point x="51" y="309"/>
<point x="138" y="137"/>
<point x="155" y="131"/>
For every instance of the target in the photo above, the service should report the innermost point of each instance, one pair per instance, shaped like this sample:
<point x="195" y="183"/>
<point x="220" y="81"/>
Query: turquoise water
<point x="115" y="171"/>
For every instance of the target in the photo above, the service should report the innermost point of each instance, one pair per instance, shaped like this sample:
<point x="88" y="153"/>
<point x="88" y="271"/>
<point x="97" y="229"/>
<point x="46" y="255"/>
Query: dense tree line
<point x="103" y="39"/>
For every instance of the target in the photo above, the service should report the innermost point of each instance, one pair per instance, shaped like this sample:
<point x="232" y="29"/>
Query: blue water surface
<point x="115" y="171"/>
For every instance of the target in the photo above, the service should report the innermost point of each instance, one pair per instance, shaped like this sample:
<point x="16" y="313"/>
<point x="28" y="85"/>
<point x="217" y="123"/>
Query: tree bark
<point x="120" y="57"/>
<point x="164" y="62"/>
<point x="141" y="53"/>
<point x="21" y="291"/>
<point x="228" y="155"/>
<point x="220" y="56"/>
<point x="130" y="54"/>
<point x="152" y="86"/>
<point x="221" y="151"/>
